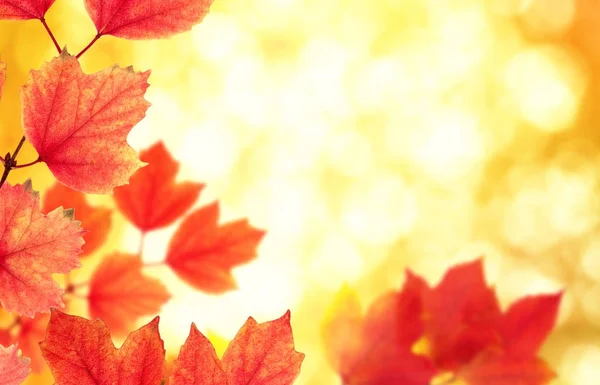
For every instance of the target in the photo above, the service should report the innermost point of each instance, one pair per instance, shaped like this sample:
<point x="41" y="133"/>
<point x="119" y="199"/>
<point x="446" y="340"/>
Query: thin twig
<point x="51" y="35"/>
<point x="10" y="161"/>
<point x="98" y="36"/>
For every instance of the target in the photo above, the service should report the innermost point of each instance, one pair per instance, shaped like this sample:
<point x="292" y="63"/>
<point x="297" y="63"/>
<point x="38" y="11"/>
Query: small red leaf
<point x="81" y="352"/>
<point x="13" y="369"/>
<point x="79" y="123"/>
<point x="153" y="199"/>
<point x="24" y="9"/>
<point x="202" y="253"/>
<point x="197" y="363"/>
<point x="33" y="247"/>
<point x="31" y="332"/>
<point x="148" y="19"/>
<point x="2" y="76"/>
<point x="96" y="220"/>
<point x="120" y="293"/>
<point x="527" y="323"/>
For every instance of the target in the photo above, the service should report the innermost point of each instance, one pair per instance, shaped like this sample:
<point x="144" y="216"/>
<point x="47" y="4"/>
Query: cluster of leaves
<point x="78" y="123"/>
<point x="452" y="333"/>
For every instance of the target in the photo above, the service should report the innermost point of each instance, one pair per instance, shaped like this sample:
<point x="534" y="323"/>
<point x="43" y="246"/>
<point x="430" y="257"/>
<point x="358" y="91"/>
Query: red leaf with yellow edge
<point x="527" y="323"/>
<point x="153" y="199"/>
<point x="120" y="293"/>
<point x="202" y="253"/>
<point x="2" y="76"/>
<point x="13" y="369"/>
<point x="197" y="363"/>
<point x="263" y="354"/>
<point x="496" y="368"/>
<point x="81" y="352"/>
<point x="34" y="246"/>
<point x="96" y="220"/>
<point x="463" y="316"/>
<point x="79" y="123"/>
<point x="31" y="332"/>
<point x="146" y="19"/>
<point x="24" y="9"/>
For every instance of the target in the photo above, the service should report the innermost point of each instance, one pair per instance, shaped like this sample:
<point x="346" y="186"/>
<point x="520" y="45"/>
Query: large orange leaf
<point x="24" y="9"/>
<point x="13" y="369"/>
<point x="260" y="354"/>
<point x="81" y="352"/>
<point x="31" y="332"/>
<point x="79" y="123"/>
<point x="153" y="199"/>
<point x="146" y="19"/>
<point x="2" y="76"/>
<point x="120" y="293"/>
<point x="34" y="246"/>
<point x="202" y="253"/>
<point x="95" y="220"/>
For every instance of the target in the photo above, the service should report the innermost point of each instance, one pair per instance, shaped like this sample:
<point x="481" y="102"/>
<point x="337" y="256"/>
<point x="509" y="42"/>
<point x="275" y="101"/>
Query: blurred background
<point x="366" y="137"/>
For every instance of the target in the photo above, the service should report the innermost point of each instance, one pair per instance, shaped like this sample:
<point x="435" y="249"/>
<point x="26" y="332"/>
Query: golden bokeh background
<point x="366" y="137"/>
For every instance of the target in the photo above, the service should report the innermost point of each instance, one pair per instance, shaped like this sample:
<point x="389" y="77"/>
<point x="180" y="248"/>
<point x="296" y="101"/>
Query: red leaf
<point x="96" y="220"/>
<point x="152" y="199"/>
<point x="260" y="354"/>
<point x="197" y="363"/>
<point x="527" y="322"/>
<point x="13" y="369"/>
<point x="147" y="19"/>
<point x="120" y="293"/>
<point x="2" y="77"/>
<point x="33" y="247"/>
<point x="31" y="332"/>
<point x="494" y="368"/>
<point x="462" y="315"/>
<point x="81" y="352"/>
<point x="202" y="253"/>
<point x="24" y="9"/>
<point x="79" y="123"/>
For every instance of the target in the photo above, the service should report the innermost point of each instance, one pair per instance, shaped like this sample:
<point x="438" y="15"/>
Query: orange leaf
<point x="96" y="220"/>
<point x="259" y="354"/>
<point x="81" y="352"/>
<point x="152" y="199"/>
<point x="495" y="368"/>
<point x="31" y="332"/>
<point x="33" y="247"/>
<point x="527" y="322"/>
<point x="24" y="9"/>
<point x="13" y="369"/>
<point x="147" y="19"/>
<point x="2" y="76"/>
<point x="202" y="253"/>
<point x="120" y="293"/>
<point x="79" y="123"/>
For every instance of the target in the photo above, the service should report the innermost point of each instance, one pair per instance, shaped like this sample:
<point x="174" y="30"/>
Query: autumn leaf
<point x="147" y="19"/>
<point x="260" y="354"/>
<point x="13" y="369"/>
<point x="24" y="9"/>
<point x="96" y="220"/>
<point x="31" y="332"/>
<point x="34" y="246"/>
<point x="153" y="199"/>
<point x="2" y="76"/>
<point x="81" y="352"/>
<point x="120" y="293"/>
<point x="79" y="123"/>
<point x="202" y="253"/>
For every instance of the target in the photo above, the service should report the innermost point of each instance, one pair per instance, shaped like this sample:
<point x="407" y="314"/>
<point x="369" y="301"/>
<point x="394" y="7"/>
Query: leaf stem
<point x="38" y="160"/>
<point x="51" y="35"/>
<point x="154" y="264"/>
<point x="10" y="161"/>
<point x="141" y="245"/>
<point x="98" y="36"/>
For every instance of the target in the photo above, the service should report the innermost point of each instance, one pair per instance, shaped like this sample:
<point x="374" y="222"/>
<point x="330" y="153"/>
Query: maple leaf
<point x="33" y="246"/>
<point x="152" y="199"/>
<point x="202" y="253"/>
<point x="2" y="76"/>
<point x="13" y="369"/>
<point x="79" y="123"/>
<point x="31" y="332"/>
<point x="120" y="293"/>
<point x="24" y="9"/>
<point x="260" y="354"/>
<point x="147" y="19"/>
<point x="81" y="352"/>
<point x="381" y="352"/>
<point x="96" y="220"/>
